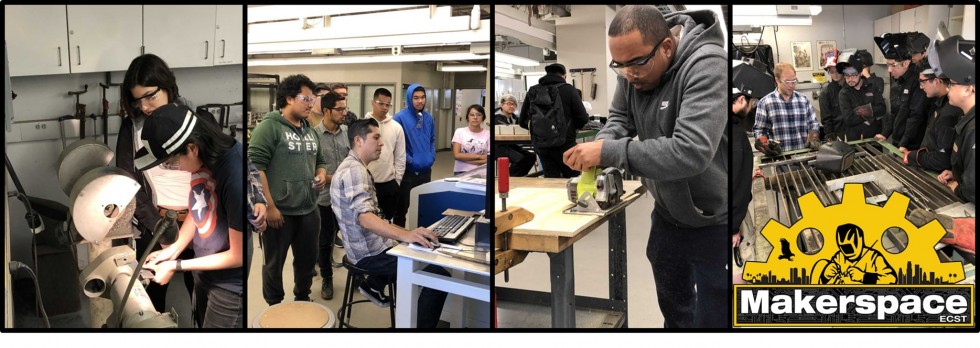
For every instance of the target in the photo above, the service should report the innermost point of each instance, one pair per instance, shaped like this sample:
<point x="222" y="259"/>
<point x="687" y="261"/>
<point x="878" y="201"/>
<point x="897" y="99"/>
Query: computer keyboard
<point x="451" y="227"/>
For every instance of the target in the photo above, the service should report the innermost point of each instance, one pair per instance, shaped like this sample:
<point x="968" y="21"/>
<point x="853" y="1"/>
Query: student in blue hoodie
<point x="671" y="95"/>
<point x="420" y="146"/>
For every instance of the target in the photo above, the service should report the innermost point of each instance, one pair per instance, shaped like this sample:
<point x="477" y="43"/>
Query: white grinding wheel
<point x="98" y="200"/>
<point x="79" y="158"/>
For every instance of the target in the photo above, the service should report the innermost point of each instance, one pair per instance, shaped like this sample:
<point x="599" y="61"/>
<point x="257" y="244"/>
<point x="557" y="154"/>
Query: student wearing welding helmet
<point x="955" y="58"/>
<point x="861" y="105"/>
<point x="905" y="125"/>
<point x="830" y="102"/>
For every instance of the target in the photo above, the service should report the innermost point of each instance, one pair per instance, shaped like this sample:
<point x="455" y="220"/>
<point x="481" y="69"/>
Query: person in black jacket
<point x="742" y="106"/>
<point x="829" y="103"/>
<point x="957" y="61"/>
<point x="861" y="108"/>
<point x="551" y="158"/>
<point x="521" y="160"/>
<point x="937" y="143"/>
<point x="903" y="126"/>
<point x="148" y="84"/>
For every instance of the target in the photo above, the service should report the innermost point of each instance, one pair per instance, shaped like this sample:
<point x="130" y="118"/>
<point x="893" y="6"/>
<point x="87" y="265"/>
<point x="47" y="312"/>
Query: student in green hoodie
<point x="671" y="96"/>
<point x="285" y="149"/>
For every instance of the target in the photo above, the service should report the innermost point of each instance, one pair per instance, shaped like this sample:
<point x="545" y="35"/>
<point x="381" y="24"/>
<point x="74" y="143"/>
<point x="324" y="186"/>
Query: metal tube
<point x="910" y="177"/>
<point x="940" y="190"/>
<point x="912" y="190"/>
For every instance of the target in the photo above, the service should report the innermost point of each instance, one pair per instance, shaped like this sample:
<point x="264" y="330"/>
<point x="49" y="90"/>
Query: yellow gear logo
<point x="917" y="264"/>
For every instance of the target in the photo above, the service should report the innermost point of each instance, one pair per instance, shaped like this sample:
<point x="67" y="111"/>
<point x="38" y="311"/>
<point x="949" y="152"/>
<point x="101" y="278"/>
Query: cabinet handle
<point x="223" y="44"/>
<point x="59" y="55"/>
<point x="206" y="49"/>
<point x="78" y="49"/>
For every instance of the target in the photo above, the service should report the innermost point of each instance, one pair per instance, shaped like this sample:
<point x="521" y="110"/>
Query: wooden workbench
<point x="555" y="233"/>
<point x="526" y="138"/>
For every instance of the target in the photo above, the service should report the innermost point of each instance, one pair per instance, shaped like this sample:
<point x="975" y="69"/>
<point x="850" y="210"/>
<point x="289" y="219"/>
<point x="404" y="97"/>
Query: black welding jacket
<point x="830" y="108"/>
<point x="964" y="157"/>
<point x="937" y="143"/>
<point x="856" y="127"/>
<point x="908" y="103"/>
<point x="741" y="170"/>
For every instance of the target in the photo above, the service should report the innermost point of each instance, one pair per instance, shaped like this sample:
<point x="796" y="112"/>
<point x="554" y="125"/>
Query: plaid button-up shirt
<point x="785" y="121"/>
<point x="352" y="194"/>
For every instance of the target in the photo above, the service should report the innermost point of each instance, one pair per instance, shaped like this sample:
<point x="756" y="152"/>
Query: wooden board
<point x="527" y="137"/>
<point x="552" y="230"/>
<point x="300" y="314"/>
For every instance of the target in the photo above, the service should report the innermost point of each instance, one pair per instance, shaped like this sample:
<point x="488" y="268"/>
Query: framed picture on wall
<point x="823" y="47"/>
<point x="802" y="56"/>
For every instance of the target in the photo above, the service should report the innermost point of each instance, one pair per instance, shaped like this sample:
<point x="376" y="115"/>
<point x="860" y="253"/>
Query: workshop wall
<point x="46" y="97"/>
<point x="853" y="28"/>
<point x="386" y="73"/>
<point x="849" y="27"/>
<point x="581" y="42"/>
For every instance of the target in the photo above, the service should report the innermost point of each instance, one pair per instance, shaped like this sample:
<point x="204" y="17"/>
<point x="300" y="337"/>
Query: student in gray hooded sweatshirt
<point x="671" y="93"/>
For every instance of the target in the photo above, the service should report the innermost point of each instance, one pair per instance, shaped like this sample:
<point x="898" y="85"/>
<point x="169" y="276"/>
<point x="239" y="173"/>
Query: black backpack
<point x="548" y="124"/>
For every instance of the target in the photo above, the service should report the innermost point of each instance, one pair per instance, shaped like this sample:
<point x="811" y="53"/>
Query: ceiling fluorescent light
<point x="515" y="60"/>
<point x="429" y="57"/>
<point x="280" y="12"/>
<point x="460" y="68"/>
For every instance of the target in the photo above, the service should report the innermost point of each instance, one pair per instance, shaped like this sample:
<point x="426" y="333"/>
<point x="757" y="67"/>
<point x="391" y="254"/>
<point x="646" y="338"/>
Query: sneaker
<point x="326" y="289"/>
<point x="337" y="242"/>
<point x="374" y="296"/>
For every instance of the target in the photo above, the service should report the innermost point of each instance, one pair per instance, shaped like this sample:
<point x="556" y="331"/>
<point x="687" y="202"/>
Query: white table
<point x="411" y="278"/>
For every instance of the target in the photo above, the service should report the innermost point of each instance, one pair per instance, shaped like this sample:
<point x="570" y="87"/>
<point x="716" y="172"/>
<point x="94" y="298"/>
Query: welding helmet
<point x="830" y="59"/>
<point x="901" y="46"/>
<point x="850" y="240"/>
<point x="750" y="78"/>
<point x="954" y="58"/>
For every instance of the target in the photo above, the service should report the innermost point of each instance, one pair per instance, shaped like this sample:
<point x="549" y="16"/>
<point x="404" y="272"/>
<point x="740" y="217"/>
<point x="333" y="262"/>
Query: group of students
<point x="311" y="175"/>
<point x="930" y="120"/>
<point x="346" y="174"/>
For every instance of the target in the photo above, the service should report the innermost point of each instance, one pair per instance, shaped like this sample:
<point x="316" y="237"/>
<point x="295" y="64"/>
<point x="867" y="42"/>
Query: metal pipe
<point x="780" y="196"/>
<point x="940" y="190"/>
<point x="912" y="190"/>
<point x="820" y="190"/>
<point x="909" y="176"/>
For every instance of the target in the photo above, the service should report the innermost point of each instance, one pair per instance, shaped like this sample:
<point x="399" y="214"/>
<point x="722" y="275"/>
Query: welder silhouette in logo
<point x="854" y="263"/>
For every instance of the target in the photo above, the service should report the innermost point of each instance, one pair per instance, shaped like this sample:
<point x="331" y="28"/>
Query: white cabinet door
<point x="36" y="40"/>
<point x="103" y="38"/>
<point x="907" y="20"/>
<point x="896" y="23"/>
<point x="882" y="26"/>
<point x="921" y="19"/>
<point x="228" y="48"/>
<point x="183" y="35"/>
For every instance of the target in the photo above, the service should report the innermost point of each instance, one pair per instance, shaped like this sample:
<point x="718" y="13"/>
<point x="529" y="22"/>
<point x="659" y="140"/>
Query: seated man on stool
<point x="366" y="236"/>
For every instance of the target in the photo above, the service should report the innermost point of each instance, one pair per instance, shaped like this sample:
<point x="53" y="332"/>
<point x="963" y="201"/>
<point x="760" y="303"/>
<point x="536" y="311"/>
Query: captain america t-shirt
<point x="216" y="204"/>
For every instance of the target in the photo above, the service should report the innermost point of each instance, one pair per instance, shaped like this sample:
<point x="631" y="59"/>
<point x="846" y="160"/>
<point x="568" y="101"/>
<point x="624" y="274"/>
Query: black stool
<point x="343" y="315"/>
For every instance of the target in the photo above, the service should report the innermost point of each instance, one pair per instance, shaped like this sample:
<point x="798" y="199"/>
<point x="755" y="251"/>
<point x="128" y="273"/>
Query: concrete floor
<point x="365" y="315"/>
<point x="591" y="269"/>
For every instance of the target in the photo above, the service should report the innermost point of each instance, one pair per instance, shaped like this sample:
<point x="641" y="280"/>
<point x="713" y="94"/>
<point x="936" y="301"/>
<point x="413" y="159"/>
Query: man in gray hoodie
<point x="671" y="95"/>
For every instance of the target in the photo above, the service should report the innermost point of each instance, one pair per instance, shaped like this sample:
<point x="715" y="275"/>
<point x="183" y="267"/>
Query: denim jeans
<point x="384" y="270"/>
<point x="684" y="259"/>
<point x="215" y="307"/>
